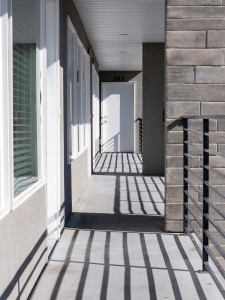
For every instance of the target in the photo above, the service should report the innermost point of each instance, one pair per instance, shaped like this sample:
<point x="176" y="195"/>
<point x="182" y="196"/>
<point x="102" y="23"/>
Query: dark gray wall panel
<point x="153" y="106"/>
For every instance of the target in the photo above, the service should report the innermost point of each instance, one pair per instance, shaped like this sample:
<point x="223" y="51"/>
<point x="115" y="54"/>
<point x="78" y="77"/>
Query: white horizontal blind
<point x="24" y="94"/>
<point x="24" y="116"/>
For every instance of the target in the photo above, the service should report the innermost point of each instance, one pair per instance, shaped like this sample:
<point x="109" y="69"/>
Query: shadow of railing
<point x="149" y="239"/>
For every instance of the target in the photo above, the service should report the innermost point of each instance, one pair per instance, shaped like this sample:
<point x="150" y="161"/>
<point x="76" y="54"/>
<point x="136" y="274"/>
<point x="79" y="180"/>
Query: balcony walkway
<point x="114" y="246"/>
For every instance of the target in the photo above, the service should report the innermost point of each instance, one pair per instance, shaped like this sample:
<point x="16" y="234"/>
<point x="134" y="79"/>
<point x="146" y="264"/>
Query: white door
<point x="117" y="117"/>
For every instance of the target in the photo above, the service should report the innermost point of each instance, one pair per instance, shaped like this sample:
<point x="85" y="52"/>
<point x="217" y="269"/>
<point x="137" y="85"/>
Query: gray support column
<point x="195" y="84"/>
<point x="153" y="106"/>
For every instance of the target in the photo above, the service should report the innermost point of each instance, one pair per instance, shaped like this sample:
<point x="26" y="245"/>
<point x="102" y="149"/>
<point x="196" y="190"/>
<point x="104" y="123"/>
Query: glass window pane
<point x="79" y="92"/>
<point x="84" y="100"/>
<point x="24" y="94"/>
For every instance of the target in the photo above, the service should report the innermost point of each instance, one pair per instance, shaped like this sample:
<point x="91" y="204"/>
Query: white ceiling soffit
<point x="117" y="29"/>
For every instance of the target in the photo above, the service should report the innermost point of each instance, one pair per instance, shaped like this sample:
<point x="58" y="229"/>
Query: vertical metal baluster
<point x="205" y="189"/>
<point x="185" y="137"/>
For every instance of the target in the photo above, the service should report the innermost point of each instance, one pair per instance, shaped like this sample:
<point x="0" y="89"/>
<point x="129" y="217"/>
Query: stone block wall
<point x="195" y="85"/>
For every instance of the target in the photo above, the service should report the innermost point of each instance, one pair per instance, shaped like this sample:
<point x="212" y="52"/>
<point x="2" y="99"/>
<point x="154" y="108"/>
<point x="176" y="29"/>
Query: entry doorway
<point x="118" y="117"/>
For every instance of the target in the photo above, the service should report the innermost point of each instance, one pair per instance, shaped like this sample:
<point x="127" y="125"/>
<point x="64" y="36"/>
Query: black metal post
<point x="185" y="138"/>
<point x="205" y="189"/>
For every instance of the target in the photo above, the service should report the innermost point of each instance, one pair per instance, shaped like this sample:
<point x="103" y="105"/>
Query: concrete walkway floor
<point x="114" y="246"/>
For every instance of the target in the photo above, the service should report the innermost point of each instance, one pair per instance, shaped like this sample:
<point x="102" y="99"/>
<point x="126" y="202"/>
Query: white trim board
<point x="53" y="120"/>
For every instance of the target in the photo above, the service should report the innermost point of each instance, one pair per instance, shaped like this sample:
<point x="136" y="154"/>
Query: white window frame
<point x="87" y="103"/>
<point x="6" y="108"/>
<point x="77" y="101"/>
<point x="71" y="100"/>
<point x="96" y="104"/>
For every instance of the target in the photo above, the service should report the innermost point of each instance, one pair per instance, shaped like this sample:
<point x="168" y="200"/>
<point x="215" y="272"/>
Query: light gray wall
<point x="195" y="84"/>
<point x="23" y="247"/>
<point x="79" y="177"/>
<point x="129" y="76"/>
<point x="74" y="177"/>
<point x="153" y="106"/>
<point x="97" y="150"/>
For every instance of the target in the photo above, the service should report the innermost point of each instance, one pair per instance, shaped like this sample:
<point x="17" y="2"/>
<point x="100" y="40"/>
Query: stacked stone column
<point x="195" y="85"/>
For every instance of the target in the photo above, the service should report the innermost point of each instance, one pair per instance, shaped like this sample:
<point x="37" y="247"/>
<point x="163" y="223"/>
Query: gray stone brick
<point x="174" y="150"/>
<point x="194" y="57"/>
<point x="195" y="24"/>
<point x="174" y="225"/>
<point x="213" y="195"/>
<point x="221" y="125"/>
<point x="195" y="125"/>
<point x="199" y="152"/>
<point x="177" y="128"/>
<point x="193" y="12"/>
<point x="220" y="223"/>
<point x="174" y="176"/>
<point x="223" y="57"/>
<point x="217" y="139"/>
<point x="212" y="108"/>
<point x="216" y="39"/>
<point x="185" y="39"/>
<point x="193" y="2"/>
<point x="221" y="148"/>
<point x="210" y="75"/>
<point x="177" y="150"/>
<point x="180" y="74"/>
<point x="216" y="178"/>
<point x="212" y="212"/>
<point x="174" y="211"/>
<point x="195" y="138"/>
<point x="216" y="161"/>
<point x="174" y="194"/>
<point x="175" y="137"/>
<point x="177" y="162"/>
<point x="179" y="109"/>
<point x="198" y="125"/>
<point x="196" y="92"/>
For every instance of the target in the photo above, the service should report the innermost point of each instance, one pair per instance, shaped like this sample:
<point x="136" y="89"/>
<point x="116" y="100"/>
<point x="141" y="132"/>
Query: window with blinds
<point x="24" y="95"/>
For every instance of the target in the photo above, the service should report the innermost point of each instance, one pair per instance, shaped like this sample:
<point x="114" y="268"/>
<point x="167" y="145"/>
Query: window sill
<point x="28" y="193"/>
<point x="82" y="151"/>
<point x="72" y="158"/>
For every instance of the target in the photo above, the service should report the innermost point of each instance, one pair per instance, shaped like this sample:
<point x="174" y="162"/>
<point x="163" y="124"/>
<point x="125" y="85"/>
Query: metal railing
<point x="207" y="203"/>
<point x="139" y="120"/>
<point x="140" y="135"/>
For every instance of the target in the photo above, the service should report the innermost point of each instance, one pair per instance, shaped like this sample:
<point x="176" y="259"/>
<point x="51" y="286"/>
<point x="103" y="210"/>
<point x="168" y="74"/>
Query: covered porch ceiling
<point x="117" y="29"/>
